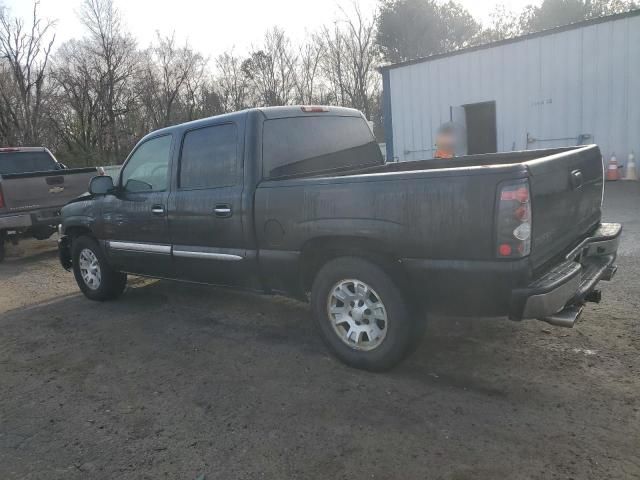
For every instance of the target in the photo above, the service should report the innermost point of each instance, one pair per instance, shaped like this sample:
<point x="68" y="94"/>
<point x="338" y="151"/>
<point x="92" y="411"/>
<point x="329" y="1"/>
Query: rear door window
<point x="209" y="157"/>
<point x="303" y="145"/>
<point x="26" y="162"/>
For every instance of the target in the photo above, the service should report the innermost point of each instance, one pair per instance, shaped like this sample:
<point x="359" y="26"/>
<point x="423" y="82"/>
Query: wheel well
<point x="77" y="231"/>
<point x="319" y="251"/>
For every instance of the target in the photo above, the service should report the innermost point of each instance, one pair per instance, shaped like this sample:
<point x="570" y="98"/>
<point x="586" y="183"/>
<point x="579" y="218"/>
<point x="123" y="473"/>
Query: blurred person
<point x="450" y="141"/>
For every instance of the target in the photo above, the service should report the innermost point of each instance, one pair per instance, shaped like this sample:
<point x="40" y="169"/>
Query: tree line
<point x="90" y="99"/>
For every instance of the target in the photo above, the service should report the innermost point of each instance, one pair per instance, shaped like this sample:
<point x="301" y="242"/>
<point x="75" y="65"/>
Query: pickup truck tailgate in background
<point x="566" y="204"/>
<point x="28" y="191"/>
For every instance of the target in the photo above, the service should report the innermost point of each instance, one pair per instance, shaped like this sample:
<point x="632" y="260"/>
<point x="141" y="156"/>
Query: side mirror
<point x="101" y="185"/>
<point x="134" y="185"/>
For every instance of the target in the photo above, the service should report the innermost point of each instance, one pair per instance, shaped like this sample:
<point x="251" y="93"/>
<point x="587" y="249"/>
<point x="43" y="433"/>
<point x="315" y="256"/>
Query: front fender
<point x="79" y="215"/>
<point x="77" y="223"/>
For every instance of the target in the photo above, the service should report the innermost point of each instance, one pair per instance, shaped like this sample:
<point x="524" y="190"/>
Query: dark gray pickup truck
<point x="298" y="200"/>
<point x="34" y="186"/>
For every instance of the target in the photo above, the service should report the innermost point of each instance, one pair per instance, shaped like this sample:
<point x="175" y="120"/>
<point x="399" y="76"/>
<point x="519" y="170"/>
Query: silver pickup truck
<point x="34" y="186"/>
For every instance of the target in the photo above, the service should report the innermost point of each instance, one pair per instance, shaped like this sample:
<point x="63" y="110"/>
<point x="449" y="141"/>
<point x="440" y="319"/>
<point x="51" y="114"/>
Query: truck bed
<point x="33" y="190"/>
<point x="455" y="200"/>
<point x="483" y="160"/>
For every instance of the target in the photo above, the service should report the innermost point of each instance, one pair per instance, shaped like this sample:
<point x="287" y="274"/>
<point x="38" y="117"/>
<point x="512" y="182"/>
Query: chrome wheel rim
<point x="90" y="269"/>
<point x="357" y="315"/>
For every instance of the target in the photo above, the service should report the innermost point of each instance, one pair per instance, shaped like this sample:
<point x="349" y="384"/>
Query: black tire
<point x="401" y="326"/>
<point x="112" y="283"/>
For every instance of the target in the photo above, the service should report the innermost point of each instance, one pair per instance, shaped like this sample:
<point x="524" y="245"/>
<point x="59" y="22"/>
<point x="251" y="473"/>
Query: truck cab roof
<point x="268" y="113"/>
<point x="301" y="111"/>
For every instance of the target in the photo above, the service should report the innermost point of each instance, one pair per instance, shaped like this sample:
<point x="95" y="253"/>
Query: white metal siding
<point x="556" y="86"/>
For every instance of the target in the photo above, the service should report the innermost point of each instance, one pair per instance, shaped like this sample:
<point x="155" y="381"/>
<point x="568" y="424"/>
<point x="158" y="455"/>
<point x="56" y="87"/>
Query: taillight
<point x="513" y="221"/>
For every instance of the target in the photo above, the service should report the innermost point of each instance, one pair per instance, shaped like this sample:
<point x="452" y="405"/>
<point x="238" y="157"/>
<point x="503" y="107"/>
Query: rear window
<point x="209" y="157"/>
<point x="25" y="162"/>
<point x="304" y="145"/>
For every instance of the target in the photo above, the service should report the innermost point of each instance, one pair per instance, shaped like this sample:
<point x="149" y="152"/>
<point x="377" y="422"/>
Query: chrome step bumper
<point x="557" y="296"/>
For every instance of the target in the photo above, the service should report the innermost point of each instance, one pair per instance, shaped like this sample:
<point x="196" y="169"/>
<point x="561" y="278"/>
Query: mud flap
<point x="64" y="252"/>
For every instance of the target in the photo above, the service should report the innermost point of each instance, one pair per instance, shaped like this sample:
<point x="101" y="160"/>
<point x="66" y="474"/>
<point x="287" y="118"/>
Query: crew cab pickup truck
<point x="34" y="186"/>
<point x="297" y="200"/>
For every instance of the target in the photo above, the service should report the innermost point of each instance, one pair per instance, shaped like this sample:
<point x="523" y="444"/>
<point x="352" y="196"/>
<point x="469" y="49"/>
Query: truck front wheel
<point x="93" y="274"/>
<point x="362" y="315"/>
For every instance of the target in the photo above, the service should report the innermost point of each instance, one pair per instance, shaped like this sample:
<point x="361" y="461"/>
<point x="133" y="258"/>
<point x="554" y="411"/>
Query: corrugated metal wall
<point x="556" y="86"/>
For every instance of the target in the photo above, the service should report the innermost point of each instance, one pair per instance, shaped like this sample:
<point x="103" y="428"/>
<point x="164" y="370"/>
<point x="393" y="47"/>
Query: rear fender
<point x="320" y="250"/>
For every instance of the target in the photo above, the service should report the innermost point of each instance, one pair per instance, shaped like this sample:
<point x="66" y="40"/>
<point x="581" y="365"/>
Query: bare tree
<point x="271" y="69"/>
<point x="334" y="63"/>
<point x="115" y="64"/>
<point x="202" y="99"/>
<point x="350" y="59"/>
<point x="308" y="71"/>
<point x="9" y="130"/>
<point x="77" y="96"/>
<point x="24" y="52"/>
<point x="97" y="95"/>
<point x="232" y="82"/>
<point x="172" y="77"/>
<point x="361" y="55"/>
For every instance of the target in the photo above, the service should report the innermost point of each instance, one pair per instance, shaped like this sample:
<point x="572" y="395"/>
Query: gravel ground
<point x="180" y="382"/>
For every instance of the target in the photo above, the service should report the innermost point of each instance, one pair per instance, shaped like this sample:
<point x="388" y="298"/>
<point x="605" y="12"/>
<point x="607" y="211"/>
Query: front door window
<point x="148" y="168"/>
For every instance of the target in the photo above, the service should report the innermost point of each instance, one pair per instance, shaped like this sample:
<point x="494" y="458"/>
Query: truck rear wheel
<point x="362" y="315"/>
<point x="93" y="274"/>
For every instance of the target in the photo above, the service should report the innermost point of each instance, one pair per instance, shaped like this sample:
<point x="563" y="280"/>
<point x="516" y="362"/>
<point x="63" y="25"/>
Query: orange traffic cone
<point x="612" y="170"/>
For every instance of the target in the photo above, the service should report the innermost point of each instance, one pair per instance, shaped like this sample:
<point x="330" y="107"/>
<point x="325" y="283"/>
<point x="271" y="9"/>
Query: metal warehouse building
<point x="576" y="84"/>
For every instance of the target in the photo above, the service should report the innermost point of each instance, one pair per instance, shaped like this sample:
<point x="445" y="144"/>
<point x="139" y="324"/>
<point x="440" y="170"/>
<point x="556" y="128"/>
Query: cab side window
<point x="148" y="168"/>
<point x="209" y="157"/>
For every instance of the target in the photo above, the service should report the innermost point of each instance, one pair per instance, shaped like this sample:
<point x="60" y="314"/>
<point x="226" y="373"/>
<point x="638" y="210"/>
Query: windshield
<point x="26" y="162"/>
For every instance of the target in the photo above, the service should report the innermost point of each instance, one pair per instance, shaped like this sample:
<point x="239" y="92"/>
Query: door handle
<point x="576" y="179"/>
<point x="223" y="211"/>
<point x="157" y="210"/>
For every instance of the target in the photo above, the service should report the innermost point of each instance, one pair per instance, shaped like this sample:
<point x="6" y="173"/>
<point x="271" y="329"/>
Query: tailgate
<point x="566" y="191"/>
<point x="33" y="191"/>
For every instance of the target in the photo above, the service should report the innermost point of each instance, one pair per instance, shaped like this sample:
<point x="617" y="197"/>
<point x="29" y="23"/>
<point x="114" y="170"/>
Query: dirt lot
<point x="176" y="381"/>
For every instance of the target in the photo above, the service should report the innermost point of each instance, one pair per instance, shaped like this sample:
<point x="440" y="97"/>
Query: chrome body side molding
<point x="207" y="255"/>
<point x="177" y="251"/>
<point x="140" y="247"/>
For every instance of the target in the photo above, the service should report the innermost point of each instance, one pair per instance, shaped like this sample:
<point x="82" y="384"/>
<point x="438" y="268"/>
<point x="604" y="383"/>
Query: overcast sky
<point x="214" y="26"/>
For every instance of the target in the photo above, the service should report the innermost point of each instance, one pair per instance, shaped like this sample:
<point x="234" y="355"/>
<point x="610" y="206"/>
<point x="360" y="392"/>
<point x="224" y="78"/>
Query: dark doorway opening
<point x="481" y="127"/>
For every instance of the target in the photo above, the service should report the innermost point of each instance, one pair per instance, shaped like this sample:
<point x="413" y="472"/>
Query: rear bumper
<point x="38" y="218"/>
<point x="505" y="288"/>
<point x="569" y="284"/>
<point x="15" y="222"/>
